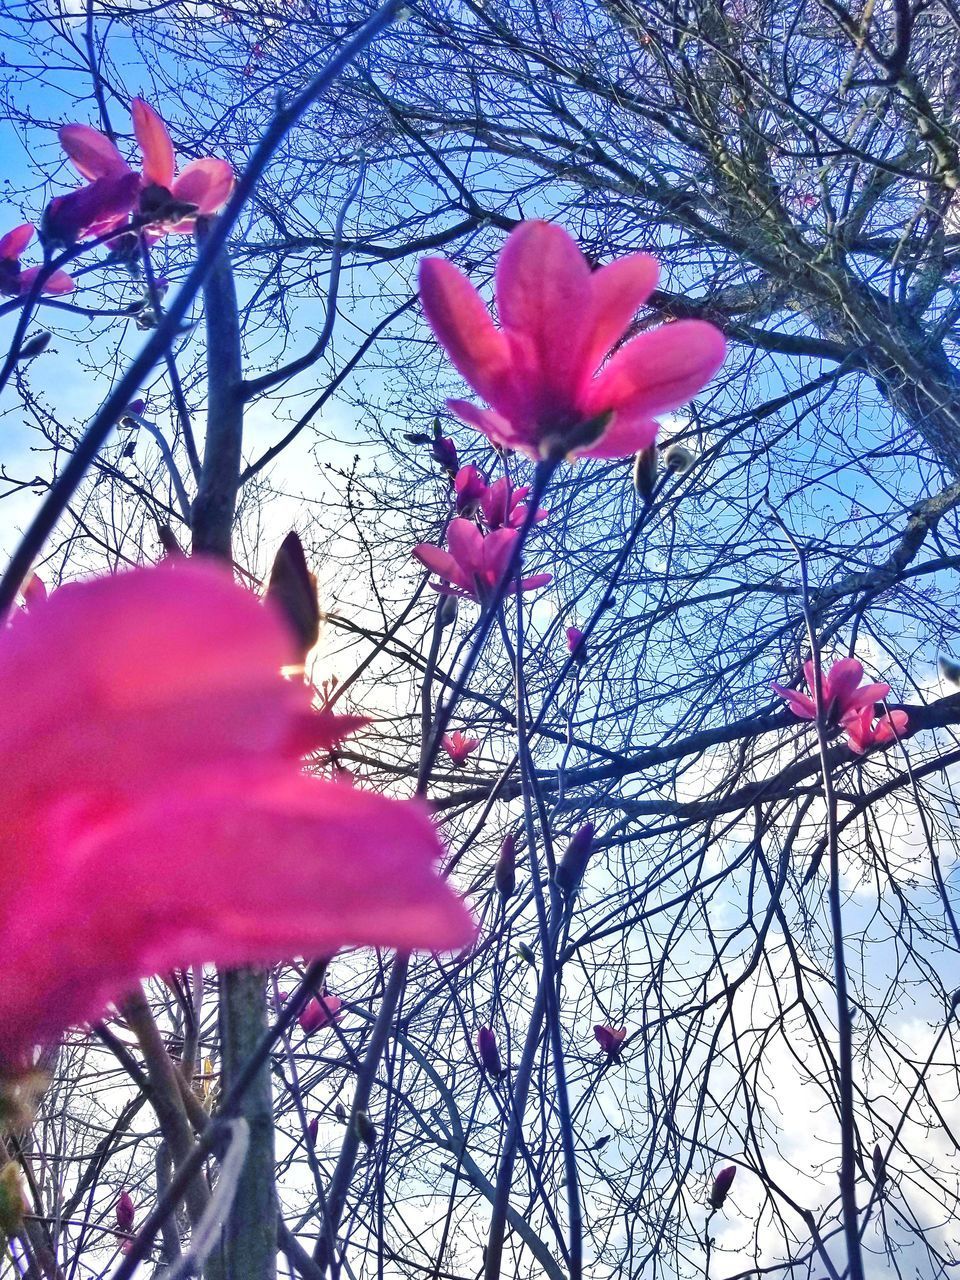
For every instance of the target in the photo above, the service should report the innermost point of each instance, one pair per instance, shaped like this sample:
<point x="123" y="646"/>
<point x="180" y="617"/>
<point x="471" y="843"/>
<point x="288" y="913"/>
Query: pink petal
<point x="437" y="560"/>
<point x="800" y="704"/>
<point x="538" y="580"/>
<point x="92" y="153"/>
<point x="58" y="283"/>
<point x="498" y="430"/>
<point x="619" y="290"/>
<point x="156" y="148"/>
<point x="627" y="434"/>
<point x="466" y="544"/>
<point x="229" y="867"/>
<point x="543" y="287"/>
<point x="841" y="679"/>
<point x="207" y="183"/>
<point x="14" y="242"/>
<point x="457" y="315"/>
<point x="658" y="371"/>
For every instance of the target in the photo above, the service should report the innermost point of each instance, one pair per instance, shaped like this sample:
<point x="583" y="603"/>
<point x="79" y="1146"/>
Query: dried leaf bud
<point x="13" y="1200"/>
<point x="340" y="1111"/>
<point x="293" y="589"/>
<point x="679" y="459"/>
<point x="526" y="953"/>
<point x="34" y="345"/>
<point x="125" y="1211"/>
<point x="573" y="864"/>
<point x="505" y="875"/>
<point x="721" y="1186"/>
<point x="489" y="1053"/>
<point x="645" y="472"/>
<point x="950" y="670"/>
<point x="365" y="1129"/>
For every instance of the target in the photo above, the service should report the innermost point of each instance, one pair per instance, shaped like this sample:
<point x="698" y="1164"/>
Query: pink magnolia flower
<point x="503" y="506"/>
<point x="474" y="563"/>
<point x="842" y="691"/>
<point x="201" y="188"/>
<point x="541" y="373"/>
<point x="458" y="747"/>
<point x="610" y="1039"/>
<point x="469" y="487"/>
<point x="575" y="643"/>
<point x="17" y="280"/>
<point x="154" y="814"/>
<point x="320" y="1012"/>
<point x="863" y="733"/>
<point x="93" y="210"/>
<point x="125" y="1211"/>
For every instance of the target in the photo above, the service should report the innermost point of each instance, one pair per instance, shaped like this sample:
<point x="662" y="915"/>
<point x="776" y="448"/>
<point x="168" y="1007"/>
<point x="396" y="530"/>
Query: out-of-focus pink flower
<point x="99" y="207"/>
<point x="474" y="563"/>
<point x="126" y="1211"/>
<point x="863" y="733"/>
<point x="610" y="1039"/>
<point x="721" y="1185"/>
<point x="173" y="200"/>
<point x="575" y="643"/>
<point x="489" y="1053"/>
<point x="842" y="691"/>
<point x="458" y="747"/>
<point x="541" y="373"/>
<point x="34" y="592"/>
<point x="17" y="280"/>
<point x="153" y="814"/>
<point x="320" y="1012"/>
<point x="503" y="506"/>
<point x="469" y="486"/>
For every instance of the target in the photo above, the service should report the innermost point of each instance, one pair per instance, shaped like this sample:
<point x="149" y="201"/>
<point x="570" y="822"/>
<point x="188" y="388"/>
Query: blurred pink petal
<point x="14" y="242"/>
<point x="207" y="183"/>
<point x="92" y="153"/>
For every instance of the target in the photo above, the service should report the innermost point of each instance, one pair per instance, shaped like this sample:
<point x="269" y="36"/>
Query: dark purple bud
<point x="35" y="345"/>
<point x="505" y="875"/>
<point x="126" y="1211"/>
<point x="879" y="1166"/>
<point x="293" y="589"/>
<point x="489" y="1053"/>
<point x="574" y="861"/>
<point x="445" y="452"/>
<point x="366" y="1130"/>
<point x="721" y="1186"/>
<point x="312" y="1128"/>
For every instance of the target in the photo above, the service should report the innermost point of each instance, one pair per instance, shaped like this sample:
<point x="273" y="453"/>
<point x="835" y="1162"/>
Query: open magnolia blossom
<point x="474" y="562"/>
<point x="610" y="1039"/>
<point x="843" y="692"/>
<point x="500" y="505"/>
<point x="864" y="730"/>
<point x="17" y="280"/>
<point x="172" y="200"/>
<point x="320" y="1012"/>
<point x="545" y="371"/>
<point x="153" y="812"/>
<point x="458" y="747"/>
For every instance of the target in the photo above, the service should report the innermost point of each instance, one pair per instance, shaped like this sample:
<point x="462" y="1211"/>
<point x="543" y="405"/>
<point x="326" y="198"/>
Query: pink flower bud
<point x="489" y="1053"/>
<point x="721" y="1186"/>
<point x="320" y="1012"/>
<point x="576" y="644"/>
<point x="505" y="875"/>
<point x="125" y="1211"/>
<point x="574" y="861"/>
<point x="312" y="1128"/>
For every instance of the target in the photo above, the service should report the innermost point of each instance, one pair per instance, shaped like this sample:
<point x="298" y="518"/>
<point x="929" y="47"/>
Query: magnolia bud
<point x="679" y="459"/>
<point x="489" y="1053"/>
<point x="33" y="346"/>
<point x="879" y="1167"/>
<point x="319" y="1013"/>
<point x="950" y="670"/>
<point x="721" y="1186"/>
<point x="340" y="1111"/>
<point x="573" y="864"/>
<point x="447" y="610"/>
<point x="312" y="1128"/>
<point x="505" y="876"/>
<point x="576" y="645"/>
<point x="526" y="953"/>
<point x="125" y="1211"/>
<point x="293" y="589"/>
<point x="365" y="1129"/>
<point x="645" y="472"/>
